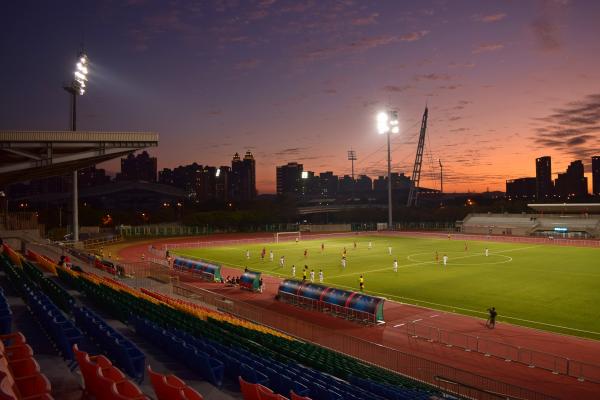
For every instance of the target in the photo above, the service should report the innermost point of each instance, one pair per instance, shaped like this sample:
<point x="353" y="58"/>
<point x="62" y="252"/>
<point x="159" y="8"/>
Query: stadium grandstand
<point x="569" y="221"/>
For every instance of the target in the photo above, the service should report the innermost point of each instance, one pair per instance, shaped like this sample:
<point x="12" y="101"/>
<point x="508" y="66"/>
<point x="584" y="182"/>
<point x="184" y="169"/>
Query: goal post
<point x="279" y="236"/>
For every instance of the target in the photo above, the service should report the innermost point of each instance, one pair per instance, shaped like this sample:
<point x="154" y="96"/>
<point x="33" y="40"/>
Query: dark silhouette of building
<point x="572" y="183"/>
<point x="363" y="185"/>
<point x="185" y="177"/>
<point x="138" y="168"/>
<point x="596" y="175"/>
<point x="222" y="186"/>
<point x="243" y="177"/>
<point x="289" y="179"/>
<point x="92" y="176"/>
<point x="521" y="188"/>
<point x="543" y="178"/>
<point x="328" y="184"/>
<point x="399" y="182"/>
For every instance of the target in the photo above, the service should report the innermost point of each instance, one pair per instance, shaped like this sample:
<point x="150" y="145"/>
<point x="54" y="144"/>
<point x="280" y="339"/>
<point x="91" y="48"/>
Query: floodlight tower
<point x="387" y="123"/>
<point x="352" y="158"/>
<point x="77" y="88"/>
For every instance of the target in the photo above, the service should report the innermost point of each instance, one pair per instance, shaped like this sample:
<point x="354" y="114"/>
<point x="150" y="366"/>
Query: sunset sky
<point x="505" y="81"/>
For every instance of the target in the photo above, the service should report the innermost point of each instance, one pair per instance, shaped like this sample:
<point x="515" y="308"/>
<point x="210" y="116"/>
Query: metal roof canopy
<point x="26" y="155"/>
<point x="591" y="208"/>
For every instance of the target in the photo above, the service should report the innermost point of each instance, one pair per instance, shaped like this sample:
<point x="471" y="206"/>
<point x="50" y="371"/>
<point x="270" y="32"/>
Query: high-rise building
<point x="289" y="179"/>
<point x="208" y="184"/>
<point x="243" y="177"/>
<point x="363" y="184"/>
<point x="521" y="188"/>
<point x="572" y="183"/>
<point x="328" y="183"/>
<point x="222" y="188"/>
<point x="92" y="176"/>
<point x="138" y="168"/>
<point x="543" y="178"/>
<point x="596" y="175"/>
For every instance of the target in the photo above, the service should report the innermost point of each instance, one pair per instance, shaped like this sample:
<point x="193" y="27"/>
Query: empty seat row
<point x="271" y="359"/>
<point x="59" y="296"/>
<point x="255" y="391"/>
<point x="170" y="387"/>
<point x="20" y="376"/>
<point x="103" y="380"/>
<point x="60" y="330"/>
<point x="188" y="353"/>
<point x="118" y="348"/>
<point x="5" y="315"/>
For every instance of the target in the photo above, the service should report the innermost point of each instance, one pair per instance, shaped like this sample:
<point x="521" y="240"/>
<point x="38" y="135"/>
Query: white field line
<point x="392" y="296"/>
<point x="431" y="262"/>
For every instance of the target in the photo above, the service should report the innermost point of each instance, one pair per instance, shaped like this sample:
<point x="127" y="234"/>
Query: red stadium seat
<point x="296" y="397"/>
<point x="16" y="352"/>
<point x="113" y="377"/>
<point x="264" y="393"/>
<point x="126" y="390"/>
<point x="15" y="339"/>
<point x="191" y="394"/>
<point x="89" y="369"/>
<point x="166" y="387"/>
<point x="249" y="390"/>
<point x="21" y="368"/>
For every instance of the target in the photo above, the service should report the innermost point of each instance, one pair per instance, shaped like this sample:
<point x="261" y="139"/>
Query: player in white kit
<point x="445" y="260"/>
<point x="395" y="265"/>
<point x="321" y="276"/>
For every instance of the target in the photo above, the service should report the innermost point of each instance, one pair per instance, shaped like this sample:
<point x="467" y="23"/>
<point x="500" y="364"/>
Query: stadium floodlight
<point x="304" y="175"/>
<point x="388" y="123"/>
<point x="76" y="88"/>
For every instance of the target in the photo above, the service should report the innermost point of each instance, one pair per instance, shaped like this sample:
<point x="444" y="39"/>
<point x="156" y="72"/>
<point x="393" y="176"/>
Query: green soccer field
<point x="547" y="287"/>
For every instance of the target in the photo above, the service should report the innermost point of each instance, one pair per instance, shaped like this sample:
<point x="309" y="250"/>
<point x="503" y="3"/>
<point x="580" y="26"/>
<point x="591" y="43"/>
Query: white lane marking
<point x="417" y="320"/>
<point x="396" y="326"/>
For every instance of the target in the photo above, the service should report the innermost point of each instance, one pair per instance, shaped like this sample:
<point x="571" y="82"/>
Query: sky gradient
<point x="505" y="81"/>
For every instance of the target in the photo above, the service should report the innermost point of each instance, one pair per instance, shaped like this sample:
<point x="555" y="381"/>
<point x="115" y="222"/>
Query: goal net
<point x="281" y="236"/>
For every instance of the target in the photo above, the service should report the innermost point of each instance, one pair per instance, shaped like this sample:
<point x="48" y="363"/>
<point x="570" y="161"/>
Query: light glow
<point x="304" y="174"/>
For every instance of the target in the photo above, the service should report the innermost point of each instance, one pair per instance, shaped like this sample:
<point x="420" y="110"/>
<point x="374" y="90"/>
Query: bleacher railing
<point x="324" y="307"/>
<point x="415" y="367"/>
<point x="491" y="348"/>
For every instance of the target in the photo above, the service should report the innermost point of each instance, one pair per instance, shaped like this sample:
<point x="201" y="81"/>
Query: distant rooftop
<point x="591" y="208"/>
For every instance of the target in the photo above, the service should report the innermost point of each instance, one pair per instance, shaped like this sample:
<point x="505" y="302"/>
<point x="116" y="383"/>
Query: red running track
<point x="398" y="315"/>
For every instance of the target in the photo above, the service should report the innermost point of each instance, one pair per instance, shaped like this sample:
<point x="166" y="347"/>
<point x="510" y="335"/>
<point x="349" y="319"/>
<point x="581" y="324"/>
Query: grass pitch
<point x="554" y="288"/>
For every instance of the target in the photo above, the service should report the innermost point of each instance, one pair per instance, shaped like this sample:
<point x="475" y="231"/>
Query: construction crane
<point x="413" y="195"/>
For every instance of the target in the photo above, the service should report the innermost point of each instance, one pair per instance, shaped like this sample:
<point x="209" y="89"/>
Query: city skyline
<point x="505" y="82"/>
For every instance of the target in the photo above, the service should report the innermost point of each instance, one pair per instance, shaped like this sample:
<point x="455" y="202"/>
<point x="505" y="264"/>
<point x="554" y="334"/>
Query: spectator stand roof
<point x="26" y="155"/>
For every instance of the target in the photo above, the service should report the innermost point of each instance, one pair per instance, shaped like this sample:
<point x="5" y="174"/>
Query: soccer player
<point x="487" y="252"/>
<point x="320" y="276"/>
<point x="262" y="254"/>
<point x="247" y="254"/>
<point x="491" y="322"/>
<point x="312" y="275"/>
<point x="395" y="265"/>
<point x="390" y="250"/>
<point x="445" y="260"/>
<point x="344" y="253"/>
<point x="361" y="283"/>
<point x="466" y="248"/>
<point x="271" y="255"/>
<point x="354" y="245"/>
<point x="304" y="274"/>
<point x="305" y="253"/>
<point x="322" y="247"/>
<point x="370" y="246"/>
<point x="437" y="257"/>
<point x="343" y="262"/>
<point x="282" y="261"/>
<point x="293" y="270"/>
<point x="296" y="239"/>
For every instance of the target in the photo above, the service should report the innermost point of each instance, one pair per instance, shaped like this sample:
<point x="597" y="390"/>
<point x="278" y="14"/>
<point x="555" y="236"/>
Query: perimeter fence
<point x="440" y="375"/>
<point x="510" y="353"/>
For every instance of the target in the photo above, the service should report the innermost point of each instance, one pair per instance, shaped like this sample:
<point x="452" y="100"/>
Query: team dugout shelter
<point x="346" y="304"/>
<point x="250" y="280"/>
<point x="203" y="269"/>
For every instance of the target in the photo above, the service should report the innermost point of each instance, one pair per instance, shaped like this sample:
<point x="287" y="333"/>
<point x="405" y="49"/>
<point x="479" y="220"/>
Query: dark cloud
<point x="461" y="65"/>
<point x="368" y="20"/>
<point x="396" y="89"/>
<point x="573" y="129"/>
<point x="432" y="77"/>
<point x="490" y="17"/>
<point x="292" y="151"/>
<point x="487" y="47"/>
<point x="546" y="34"/>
